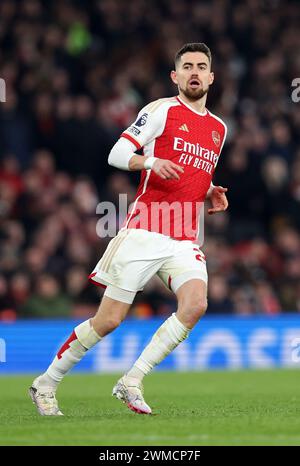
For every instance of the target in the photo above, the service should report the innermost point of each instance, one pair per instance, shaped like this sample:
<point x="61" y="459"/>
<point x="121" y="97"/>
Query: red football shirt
<point x="171" y="129"/>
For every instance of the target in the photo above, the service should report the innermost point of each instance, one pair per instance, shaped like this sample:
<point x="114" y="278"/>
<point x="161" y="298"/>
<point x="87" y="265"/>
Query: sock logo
<point x="66" y="345"/>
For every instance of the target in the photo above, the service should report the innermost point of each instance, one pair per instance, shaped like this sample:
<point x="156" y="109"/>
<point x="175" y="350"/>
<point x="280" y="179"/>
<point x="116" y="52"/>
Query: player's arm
<point x="148" y="126"/>
<point x="165" y="169"/>
<point x="216" y="194"/>
<point x="218" y="199"/>
<point x="122" y="156"/>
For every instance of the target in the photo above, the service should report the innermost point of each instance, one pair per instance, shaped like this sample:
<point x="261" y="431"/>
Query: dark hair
<point x="193" y="47"/>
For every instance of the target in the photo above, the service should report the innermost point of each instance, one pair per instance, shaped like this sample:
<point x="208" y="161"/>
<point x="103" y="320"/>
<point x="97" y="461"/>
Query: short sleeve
<point x="149" y="124"/>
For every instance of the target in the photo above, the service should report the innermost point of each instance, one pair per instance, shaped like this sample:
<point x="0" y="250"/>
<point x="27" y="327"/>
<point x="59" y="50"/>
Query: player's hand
<point x="218" y="199"/>
<point x="166" y="169"/>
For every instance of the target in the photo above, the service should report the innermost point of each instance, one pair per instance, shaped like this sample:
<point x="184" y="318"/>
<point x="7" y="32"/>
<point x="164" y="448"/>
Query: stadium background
<point x="76" y="74"/>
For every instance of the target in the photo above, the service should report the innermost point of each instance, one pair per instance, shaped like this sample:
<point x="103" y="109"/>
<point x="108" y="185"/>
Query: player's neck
<point x="197" y="105"/>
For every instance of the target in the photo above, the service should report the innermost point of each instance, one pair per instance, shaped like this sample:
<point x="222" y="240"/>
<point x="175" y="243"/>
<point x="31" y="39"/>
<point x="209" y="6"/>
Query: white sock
<point x="46" y="381"/>
<point x="166" y="339"/>
<point x="81" y="340"/>
<point x="135" y="373"/>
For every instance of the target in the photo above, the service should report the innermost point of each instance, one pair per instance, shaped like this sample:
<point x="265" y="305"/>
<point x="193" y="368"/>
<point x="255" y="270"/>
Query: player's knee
<point x="194" y="308"/>
<point x="113" y="322"/>
<point x="107" y="325"/>
<point x="198" y="306"/>
<point x="202" y="308"/>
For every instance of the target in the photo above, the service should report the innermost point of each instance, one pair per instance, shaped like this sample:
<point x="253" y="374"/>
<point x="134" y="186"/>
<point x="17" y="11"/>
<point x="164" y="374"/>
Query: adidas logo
<point x="184" y="128"/>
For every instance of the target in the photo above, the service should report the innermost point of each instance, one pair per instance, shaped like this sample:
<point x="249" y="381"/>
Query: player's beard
<point x="194" y="94"/>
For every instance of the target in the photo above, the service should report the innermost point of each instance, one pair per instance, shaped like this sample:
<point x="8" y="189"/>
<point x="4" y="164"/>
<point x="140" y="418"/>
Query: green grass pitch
<point x="194" y="408"/>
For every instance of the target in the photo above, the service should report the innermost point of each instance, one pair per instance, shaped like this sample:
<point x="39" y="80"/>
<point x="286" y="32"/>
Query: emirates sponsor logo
<point x="216" y="138"/>
<point x="196" y="150"/>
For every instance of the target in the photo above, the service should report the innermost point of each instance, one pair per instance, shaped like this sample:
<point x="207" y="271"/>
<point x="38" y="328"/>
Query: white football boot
<point x="130" y="391"/>
<point x="44" y="399"/>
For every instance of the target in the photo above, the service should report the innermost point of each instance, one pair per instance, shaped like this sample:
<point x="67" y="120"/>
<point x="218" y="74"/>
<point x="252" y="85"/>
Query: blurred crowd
<point x="76" y="75"/>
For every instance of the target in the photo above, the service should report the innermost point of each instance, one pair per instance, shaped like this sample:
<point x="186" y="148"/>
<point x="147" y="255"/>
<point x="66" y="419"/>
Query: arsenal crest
<point x="216" y="138"/>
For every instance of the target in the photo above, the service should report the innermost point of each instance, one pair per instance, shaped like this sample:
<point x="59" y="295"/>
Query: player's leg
<point x="185" y="274"/>
<point x="110" y="314"/>
<point x="192" y="305"/>
<point x="86" y="335"/>
<point x="113" y="309"/>
<point x="192" y="302"/>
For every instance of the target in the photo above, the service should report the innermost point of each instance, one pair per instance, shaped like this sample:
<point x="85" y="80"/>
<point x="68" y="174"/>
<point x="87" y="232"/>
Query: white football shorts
<point x="135" y="255"/>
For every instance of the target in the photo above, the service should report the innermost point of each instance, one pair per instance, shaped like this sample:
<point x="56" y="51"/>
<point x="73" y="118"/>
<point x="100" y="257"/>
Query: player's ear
<point x="211" y="77"/>
<point x="173" y="76"/>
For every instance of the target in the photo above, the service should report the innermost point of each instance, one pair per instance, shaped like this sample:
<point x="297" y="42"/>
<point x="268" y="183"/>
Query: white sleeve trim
<point x="151" y="121"/>
<point x="121" y="153"/>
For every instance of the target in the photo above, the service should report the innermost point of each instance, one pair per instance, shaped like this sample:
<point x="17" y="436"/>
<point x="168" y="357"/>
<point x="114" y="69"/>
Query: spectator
<point x="219" y="302"/>
<point x="75" y="77"/>
<point x="47" y="300"/>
